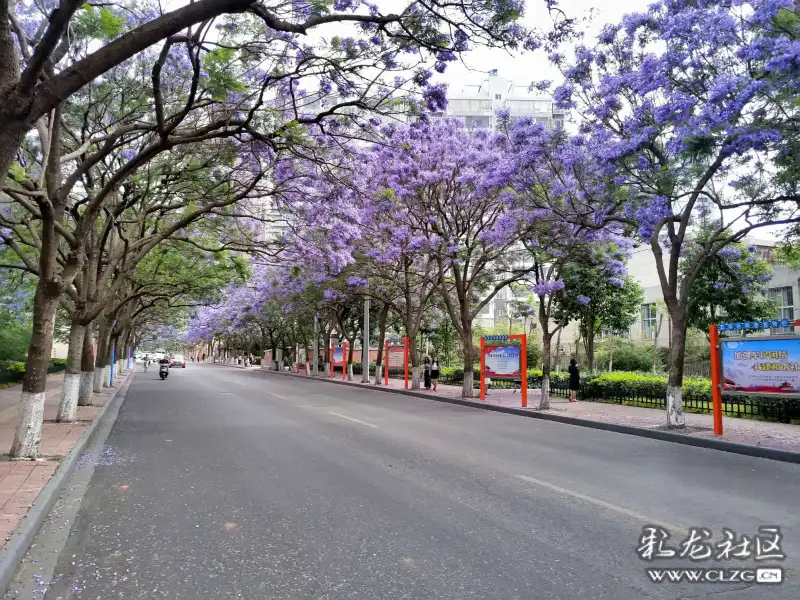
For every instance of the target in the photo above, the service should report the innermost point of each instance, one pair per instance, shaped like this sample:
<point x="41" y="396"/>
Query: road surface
<point x="219" y="483"/>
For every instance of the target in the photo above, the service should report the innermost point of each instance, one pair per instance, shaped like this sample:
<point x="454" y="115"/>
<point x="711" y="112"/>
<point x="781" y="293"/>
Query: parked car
<point x="177" y="361"/>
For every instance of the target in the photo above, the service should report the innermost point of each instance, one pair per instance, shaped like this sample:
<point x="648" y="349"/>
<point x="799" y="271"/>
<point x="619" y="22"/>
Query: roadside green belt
<point x="12" y="371"/>
<point x="639" y="389"/>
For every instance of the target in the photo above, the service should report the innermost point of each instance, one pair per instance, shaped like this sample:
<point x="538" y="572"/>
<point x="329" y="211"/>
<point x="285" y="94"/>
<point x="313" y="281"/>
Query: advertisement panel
<point x="764" y="366"/>
<point x="397" y="357"/>
<point x="338" y="354"/>
<point x="502" y="362"/>
<point x="301" y="355"/>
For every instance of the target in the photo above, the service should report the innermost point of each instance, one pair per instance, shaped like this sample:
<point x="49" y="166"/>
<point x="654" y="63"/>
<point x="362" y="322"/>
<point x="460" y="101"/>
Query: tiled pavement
<point x="21" y="481"/>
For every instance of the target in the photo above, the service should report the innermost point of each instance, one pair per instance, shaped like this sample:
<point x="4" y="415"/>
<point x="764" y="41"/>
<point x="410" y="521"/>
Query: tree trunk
<point x="544" y="401"/>
<point x="382" y="317"/>
<point x="10" y="139"/>
<point x="469" y="363"/>
<point x="87" y="368"/>
<point x="28" y="435"/>
<point x="414" y="356"/>
<point x="72" y="374"/>
<point x="674" y="404"/>
<point x="590" y="333"/>
<point x="99" y="363"/>
<point x="107" y="362"/>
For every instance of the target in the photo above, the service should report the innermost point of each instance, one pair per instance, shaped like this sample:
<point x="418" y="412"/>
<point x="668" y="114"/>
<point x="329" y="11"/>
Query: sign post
<point x="756" y="366"/>
<point x="716" y="379"/>
<point x="339" y="357"/>
<point x="113" y="359"/>
<point x="397" y="357"/>
<point x="505" y="360"/>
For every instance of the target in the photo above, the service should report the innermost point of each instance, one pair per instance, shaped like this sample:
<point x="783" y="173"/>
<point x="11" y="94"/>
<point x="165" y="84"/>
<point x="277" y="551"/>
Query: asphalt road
<point x="219" y="483"/>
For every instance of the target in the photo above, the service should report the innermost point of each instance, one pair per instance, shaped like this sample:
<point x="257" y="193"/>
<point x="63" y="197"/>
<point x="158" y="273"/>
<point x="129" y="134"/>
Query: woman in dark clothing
<point x="427" y="372"/>
<point x="574" y="380"/>
<point x="435" y="373"/>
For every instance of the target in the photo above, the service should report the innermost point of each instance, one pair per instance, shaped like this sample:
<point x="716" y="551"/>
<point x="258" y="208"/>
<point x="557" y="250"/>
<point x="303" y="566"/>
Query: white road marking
<point x="352" y="419"/>
<point x="276" y="395"/>
<point x="607" y="505"/>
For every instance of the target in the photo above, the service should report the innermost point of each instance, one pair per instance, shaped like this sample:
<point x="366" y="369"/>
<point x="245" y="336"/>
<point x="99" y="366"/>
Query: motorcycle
<point x="163" y="371"/>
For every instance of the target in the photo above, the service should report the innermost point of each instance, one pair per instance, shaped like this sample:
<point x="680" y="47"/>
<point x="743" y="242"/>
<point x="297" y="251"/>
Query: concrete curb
<point x="656" y="434"/>
<point x="15" y="549"/>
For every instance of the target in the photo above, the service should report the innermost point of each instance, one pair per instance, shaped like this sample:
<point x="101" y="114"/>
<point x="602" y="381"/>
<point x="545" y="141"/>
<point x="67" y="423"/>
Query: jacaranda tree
<point x="687" y="111"/>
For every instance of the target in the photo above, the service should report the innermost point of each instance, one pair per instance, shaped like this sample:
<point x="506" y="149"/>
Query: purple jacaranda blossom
<point x="356" y="281"/>
<point x="548" y="287"/>
<point x="583" y="300"/>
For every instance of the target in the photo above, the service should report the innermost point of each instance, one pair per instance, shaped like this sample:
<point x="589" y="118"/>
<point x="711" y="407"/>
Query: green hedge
<point x="13" y="371"/>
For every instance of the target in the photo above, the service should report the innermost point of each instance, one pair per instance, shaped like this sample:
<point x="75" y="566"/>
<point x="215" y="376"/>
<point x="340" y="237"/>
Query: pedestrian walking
<point x="435" y="373"/>
<point x="574" y="380"/>
<point x="426" y="370"/>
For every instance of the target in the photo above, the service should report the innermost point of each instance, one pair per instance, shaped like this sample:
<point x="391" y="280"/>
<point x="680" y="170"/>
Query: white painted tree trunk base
<point x="28" y="436"/>
<point x="414" y="378"/>
<point x="378" y="374"/>
<point x="97" y="386"/>
<point x="106" y="375"/>
<point x="466" y="388"/>
<point x="675" y="417"/>
<point x="85" y="390"/>
<point x="349" y="372"/>
<point x="70" y="391"/>
<point x="544" y="401"/>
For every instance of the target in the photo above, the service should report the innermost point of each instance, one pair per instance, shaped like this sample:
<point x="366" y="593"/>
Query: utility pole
<point x="365" y="345"/>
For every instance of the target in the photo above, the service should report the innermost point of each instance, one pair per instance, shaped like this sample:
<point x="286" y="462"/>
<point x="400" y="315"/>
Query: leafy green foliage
<point x="100" y="23"/>
<point x="732" y="283"/>
<point x="14" y="340"/>
<point x="222" y="79"/>
<point x="625" y="354"/>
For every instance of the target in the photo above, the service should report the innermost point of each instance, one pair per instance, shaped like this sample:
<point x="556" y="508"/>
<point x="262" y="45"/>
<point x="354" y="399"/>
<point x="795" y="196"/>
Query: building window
<point x="498" y="96"/>
<point x="784" y="299"/>
<point x="486" y="105"/>
<point x="764" y="253"/>
<point x="649" y="321"/>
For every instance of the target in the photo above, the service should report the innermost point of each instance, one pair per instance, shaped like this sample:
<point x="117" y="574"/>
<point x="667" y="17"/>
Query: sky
<point x="524" y="68"/>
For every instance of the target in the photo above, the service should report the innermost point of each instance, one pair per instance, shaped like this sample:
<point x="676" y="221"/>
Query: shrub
<point x="14" y="340"/>
<point x="625" y="354"/>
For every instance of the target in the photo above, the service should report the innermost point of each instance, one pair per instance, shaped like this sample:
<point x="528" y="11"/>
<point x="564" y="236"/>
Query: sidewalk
<point x="21" y="481"/>
<point x="764" y="434"/>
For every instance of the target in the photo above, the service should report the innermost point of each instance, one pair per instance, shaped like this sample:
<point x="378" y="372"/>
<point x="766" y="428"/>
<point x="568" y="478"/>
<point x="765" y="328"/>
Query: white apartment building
<point x="476" y="104"/>
<point x="783" y="288"/>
